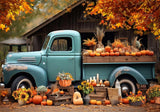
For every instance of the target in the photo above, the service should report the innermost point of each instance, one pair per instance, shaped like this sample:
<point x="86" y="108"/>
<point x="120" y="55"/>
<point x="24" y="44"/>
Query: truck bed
<point x="106" y="65"/>
<point x="116" y="59"/>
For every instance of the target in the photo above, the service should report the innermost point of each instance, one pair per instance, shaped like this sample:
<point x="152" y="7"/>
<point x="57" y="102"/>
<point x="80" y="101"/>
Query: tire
<point x="127" y="86"/>
<point x="21" y="82"/>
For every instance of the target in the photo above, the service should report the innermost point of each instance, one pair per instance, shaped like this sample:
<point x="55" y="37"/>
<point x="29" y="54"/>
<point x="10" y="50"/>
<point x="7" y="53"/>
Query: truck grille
<point x="27" y="59"/>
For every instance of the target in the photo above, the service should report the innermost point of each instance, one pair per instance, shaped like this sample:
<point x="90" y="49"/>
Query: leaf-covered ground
<point x="14" y="107"/>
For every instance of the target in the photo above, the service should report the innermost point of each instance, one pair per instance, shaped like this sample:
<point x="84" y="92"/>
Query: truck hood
<point x="24" y="58"/>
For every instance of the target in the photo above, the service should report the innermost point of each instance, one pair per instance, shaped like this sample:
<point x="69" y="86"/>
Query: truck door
<point x="60" y="57"/>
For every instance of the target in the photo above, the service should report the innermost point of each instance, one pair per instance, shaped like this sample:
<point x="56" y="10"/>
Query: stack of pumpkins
<point x="117" y="48"/>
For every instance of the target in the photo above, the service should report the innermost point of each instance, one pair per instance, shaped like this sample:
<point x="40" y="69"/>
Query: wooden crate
<point x="107" y="59"/>
<point x="99" y="93"/>
<point x="62" y="100"/>
<point x="67" y="90"/>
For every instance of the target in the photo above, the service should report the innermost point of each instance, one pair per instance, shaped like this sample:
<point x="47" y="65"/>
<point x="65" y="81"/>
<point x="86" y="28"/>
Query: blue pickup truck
<point x="62" y="52"/>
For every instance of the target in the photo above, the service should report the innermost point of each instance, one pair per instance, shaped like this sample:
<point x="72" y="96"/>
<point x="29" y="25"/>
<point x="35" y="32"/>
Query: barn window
<point x="62" y="44"/>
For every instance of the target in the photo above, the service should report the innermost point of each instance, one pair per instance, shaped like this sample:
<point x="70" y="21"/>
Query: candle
<point x="97" y="78"/>
<point x="90" y="79"/>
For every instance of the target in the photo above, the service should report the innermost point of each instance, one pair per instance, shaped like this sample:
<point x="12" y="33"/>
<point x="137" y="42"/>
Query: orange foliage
<point x="141" y="15"/>
<point x="9" y="9"/>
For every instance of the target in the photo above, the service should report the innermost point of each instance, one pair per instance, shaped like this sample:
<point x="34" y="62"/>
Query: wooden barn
<point x="74" y="20"/>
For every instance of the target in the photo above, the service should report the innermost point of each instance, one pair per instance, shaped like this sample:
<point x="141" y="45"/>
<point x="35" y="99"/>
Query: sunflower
<point x="29" y="92"/>
<point x="23" y="96"/>
<point x="83" y="83"/>
<point x="15" y="94"/>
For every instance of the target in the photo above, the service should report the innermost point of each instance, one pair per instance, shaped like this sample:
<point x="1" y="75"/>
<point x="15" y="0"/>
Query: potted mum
<point x="153" y="93"/>
<point x="22" y="95"/>
<point x="65" y="79"/>
<point x="136" y="100"/>
<point x="86" y="88"/>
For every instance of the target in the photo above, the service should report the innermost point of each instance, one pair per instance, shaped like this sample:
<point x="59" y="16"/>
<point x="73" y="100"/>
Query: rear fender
<point x="127" y="70"/>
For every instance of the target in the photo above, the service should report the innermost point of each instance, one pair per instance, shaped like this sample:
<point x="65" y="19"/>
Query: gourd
<point x="99" y="102"/>
<point x="93" y="102"/>
<point x="37" y="99"/>
<point x="125" y="101"/>
<point x="107" y="102"/>
<point x="43" y="103"/>
<point x="49" y="102"/>
<point x="77" y="99"/>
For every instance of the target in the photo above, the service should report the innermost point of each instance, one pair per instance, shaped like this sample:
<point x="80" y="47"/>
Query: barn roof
<point x="14" y="41"/>
<point x="32" y="31"/>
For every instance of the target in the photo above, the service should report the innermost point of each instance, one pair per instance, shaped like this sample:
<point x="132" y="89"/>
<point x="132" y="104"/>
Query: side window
<point x="62" y="44"/>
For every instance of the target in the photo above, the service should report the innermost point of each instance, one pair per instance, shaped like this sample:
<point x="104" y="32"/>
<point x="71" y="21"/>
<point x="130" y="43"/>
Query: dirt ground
<point x="14" y="107"/>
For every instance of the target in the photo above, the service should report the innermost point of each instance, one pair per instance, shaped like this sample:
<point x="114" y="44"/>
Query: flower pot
<point x="21" y="102"/>
<point x="137" y="103"/>
<point x="86" y="99"/>
<point x="65" y="83"/>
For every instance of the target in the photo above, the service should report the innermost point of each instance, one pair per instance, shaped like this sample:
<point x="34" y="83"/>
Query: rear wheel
<point x="21" y="82"/>
<point x="127" y="86"/>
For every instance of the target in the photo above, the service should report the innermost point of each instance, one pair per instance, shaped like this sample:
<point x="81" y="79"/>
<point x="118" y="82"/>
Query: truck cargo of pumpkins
<point x="117" y="48"/>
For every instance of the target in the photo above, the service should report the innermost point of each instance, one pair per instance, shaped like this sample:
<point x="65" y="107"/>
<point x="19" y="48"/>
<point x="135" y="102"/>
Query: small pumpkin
<point x="92" y="54"/>
<point x="93" y="102"/>
<point x="151" y="53"/>
<point x="111" y="53"/>
<point x="61" y="92"/>
<point x="44" y="97"/>
<point x="152" y="101"/>
<point x="115" y="49"/>
<point x="107" y="53"/>
<point x="43" y="103"/>
<point x="127" y="53"/>
<point x="49" y="102"/>
<point x="116" y="53"/>
<point x="103" y="54"/>
<point x="125" y="101"/>
<point x="77" y="99"/>
<point x="106" y="83"/>
<point x="98" y="54"/>
<point x="30" y="100"/>
<point x="107" y="48"/>
<point x="37" y="99"/>
<point x="99" y="102"/>
<point x="107" y="102"/>
<point x="138" y="53"/>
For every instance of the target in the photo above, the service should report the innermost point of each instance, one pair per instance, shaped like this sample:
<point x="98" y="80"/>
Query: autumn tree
<point x="140" y="15"/>
<point x="9" y="9"/>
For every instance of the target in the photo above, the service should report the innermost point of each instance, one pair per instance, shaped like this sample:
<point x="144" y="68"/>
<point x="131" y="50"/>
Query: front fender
<point x="127" y="70"/>
<point x="38" y="73"/>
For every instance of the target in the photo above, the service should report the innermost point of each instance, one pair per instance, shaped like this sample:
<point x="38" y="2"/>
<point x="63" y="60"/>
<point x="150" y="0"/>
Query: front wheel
<point x="127" y="86"/>
<point x="21" y="82"/>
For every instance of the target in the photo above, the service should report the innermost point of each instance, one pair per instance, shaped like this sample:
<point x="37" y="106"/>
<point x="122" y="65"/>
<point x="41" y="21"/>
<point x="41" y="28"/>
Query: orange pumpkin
<point x="43" y="103"/>
<point x="28" y="102"/>
<point x="152" y="101"/>
<point x="93" y="102"/>
<point x="111" y="53"/>
<point x="103" y="54"/>
<point x="37" y="99"/>
<point x="147" y="52"/>
<point x="55" y="90"/>
<point x="125" y="101"/>
<point x="49" y="102"/>
<point x="116" y="53"/>
<point x="151" y="53"/>
<point x="107" y="102"/>
<point x="92" y="54"/>
<point x="115" y="49"/>
<point x="138" y="53"/>
<point x="48" y="90"/>
<point x="107" y="53"/>
<point x="127" y="53"/>
<point x="65" y="83"/>
<point x="44" y="97"/>
<point x="107" y="48"/>
<point x="143" y="52"/>
<point x="61" y="92"/>
<point x="106" y="83"/>
<point x="99" y="102"/>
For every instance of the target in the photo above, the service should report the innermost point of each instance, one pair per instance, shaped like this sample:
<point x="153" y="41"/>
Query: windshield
<point x="46" y="42"/>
